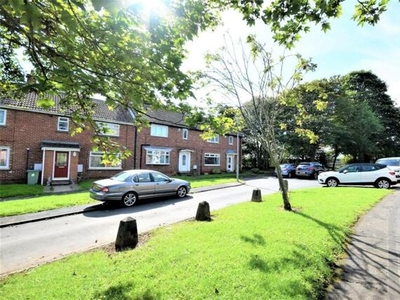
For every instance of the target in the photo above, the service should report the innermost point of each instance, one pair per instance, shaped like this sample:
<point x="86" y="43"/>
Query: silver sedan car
<point x="128" y="186"/>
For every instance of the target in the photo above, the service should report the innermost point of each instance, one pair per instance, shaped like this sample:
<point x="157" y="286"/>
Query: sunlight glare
<point x="149" y="7"/>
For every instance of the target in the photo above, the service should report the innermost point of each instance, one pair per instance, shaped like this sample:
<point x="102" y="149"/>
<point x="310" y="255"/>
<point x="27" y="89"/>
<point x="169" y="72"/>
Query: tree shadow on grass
<point x="121" y="292"/>
<point x="257" y="239"/>
<point x="338" y="235"/>
<point x="299" y="258"/>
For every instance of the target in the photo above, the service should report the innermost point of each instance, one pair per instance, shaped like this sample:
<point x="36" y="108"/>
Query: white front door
<point x="184" y="161"/>
<point x="230" y="162"/>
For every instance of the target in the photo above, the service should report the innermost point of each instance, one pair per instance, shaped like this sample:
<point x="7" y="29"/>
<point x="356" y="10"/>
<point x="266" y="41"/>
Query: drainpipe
<point x="141" y="153"/>
<point x="134" y="148"/>
<point x="27" y="163"/>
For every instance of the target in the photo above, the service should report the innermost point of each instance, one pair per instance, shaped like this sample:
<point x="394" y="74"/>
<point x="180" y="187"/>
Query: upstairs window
<point x="185" y="134"/>
<point x="4" y="158"/>
<point x="159" y="130"/>
<point x="3" y="115"/>
<point x="230" y="140"/>
<point x="108" y="128"/>
<point x="63" y="124"/>
<point x="214" y="140"/>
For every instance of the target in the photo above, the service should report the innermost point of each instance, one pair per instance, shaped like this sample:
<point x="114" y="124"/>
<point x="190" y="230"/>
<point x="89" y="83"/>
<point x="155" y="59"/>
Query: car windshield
<point x="389" y="162"/>
<point x="122" y="176"/>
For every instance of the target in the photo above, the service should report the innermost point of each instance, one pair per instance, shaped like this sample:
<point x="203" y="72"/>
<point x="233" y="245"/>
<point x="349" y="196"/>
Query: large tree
<point x="78" y="48"/>
<point x="366" y="87"/>
<point x="255" y="82"/>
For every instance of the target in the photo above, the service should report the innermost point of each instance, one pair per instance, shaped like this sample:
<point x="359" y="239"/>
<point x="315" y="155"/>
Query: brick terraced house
<point x="34" y="138"/>
<point x="170" y="147"/>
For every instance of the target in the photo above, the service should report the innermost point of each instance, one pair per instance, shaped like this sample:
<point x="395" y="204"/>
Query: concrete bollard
<point x="256" y="197"/>
<point x="127" y="237"/>
<point x="203" y="212"/>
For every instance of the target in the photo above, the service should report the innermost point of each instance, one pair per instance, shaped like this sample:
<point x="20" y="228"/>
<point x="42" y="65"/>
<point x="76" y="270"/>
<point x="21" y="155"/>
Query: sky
<point x="345" y="48"/>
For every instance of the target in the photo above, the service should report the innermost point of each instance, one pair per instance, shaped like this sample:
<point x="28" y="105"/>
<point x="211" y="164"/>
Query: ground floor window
<point x="4" y="157"/>
<point x="96" y="162"/>
<point x="157" y="157"/>
<point x="212" y="159"/>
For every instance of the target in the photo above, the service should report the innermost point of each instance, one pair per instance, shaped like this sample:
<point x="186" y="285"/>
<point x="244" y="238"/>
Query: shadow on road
<point x="117" y="208"/>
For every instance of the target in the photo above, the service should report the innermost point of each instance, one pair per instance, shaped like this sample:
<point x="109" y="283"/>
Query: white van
<point x="392" y="163"/>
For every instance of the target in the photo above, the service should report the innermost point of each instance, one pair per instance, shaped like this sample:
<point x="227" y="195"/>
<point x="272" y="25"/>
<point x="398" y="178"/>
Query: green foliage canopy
<point x="288" y="19"/>
<point x="79" y="48"/>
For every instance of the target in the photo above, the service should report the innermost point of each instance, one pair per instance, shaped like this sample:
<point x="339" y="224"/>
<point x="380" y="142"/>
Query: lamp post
<point x="237" y="156"/>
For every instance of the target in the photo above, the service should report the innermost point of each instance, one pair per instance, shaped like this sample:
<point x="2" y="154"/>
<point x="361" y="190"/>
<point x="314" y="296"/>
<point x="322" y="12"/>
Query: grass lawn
<point x="53" y="201"/>
<point x="249" y="251"/>
<point x="20" y="190"/>
<point x="42" y="203"/>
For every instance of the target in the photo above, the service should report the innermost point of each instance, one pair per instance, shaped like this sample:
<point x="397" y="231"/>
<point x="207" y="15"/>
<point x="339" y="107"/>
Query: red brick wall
<point x="27" y="129"/>
<point x="177" y="143"/>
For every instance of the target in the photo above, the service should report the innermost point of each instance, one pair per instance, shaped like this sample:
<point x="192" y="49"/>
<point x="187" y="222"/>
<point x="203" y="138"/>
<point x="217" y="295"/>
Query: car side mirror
<point x="345" y="172"/>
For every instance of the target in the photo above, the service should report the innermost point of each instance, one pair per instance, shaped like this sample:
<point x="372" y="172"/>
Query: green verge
<point x="20" y="190"/>
<point x="249" y="251"/>
<point x="53" y="201"/>
<point x="43" y="203"/>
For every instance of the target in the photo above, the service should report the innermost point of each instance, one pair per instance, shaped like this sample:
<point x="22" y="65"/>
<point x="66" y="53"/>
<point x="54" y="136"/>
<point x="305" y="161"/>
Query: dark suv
<point x="309" y="169"/>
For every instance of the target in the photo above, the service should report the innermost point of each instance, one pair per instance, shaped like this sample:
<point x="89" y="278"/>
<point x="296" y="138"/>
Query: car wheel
<point x="290" y="175"/>
<point x="332" y="182"/>
<point x="181" y="192"/>
<point x="382" y="183"/>
<point x="129" y="199"/>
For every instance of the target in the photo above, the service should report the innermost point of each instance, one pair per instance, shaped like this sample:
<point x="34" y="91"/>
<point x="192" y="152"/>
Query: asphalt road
<point x="28" y="245"/>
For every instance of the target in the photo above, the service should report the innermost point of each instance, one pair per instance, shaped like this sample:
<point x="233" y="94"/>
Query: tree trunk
<point x="283" y="187"/>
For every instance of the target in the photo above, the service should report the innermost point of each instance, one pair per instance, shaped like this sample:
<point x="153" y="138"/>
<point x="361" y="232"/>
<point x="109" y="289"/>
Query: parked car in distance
<point x="309" y="169"/>
<point x="360" y="174"/>
<point x="287" y="170"/>
<point x="392" y="163"/>
<point x="131" y="185"/>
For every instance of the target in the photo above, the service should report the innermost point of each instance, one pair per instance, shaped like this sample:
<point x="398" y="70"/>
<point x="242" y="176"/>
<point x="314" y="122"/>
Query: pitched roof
<point x="102" y="111"/>
<point x="170" y="118"/>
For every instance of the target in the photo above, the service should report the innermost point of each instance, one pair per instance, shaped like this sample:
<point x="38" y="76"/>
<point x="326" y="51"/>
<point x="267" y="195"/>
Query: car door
<point x="163" y="184"/>
<point x="370" y="173"/>
<point x="351" y="174"/>
<point x="144" y="185"/>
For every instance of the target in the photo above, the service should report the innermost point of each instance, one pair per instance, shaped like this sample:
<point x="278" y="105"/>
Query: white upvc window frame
<point x="159" y="130"/>
<point x="185" y="134"/>
<point x="158" y="157"/>
<point x="4" y="158"/>
<point x="111" y="129"/>
<point x="214" y="140"/>
<point x="212" y="155"/>
<point x="63" y="124"/>
<point x="230" y="140"/>
<point x="3" y="120"/>
<point x="96" y="156"/>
